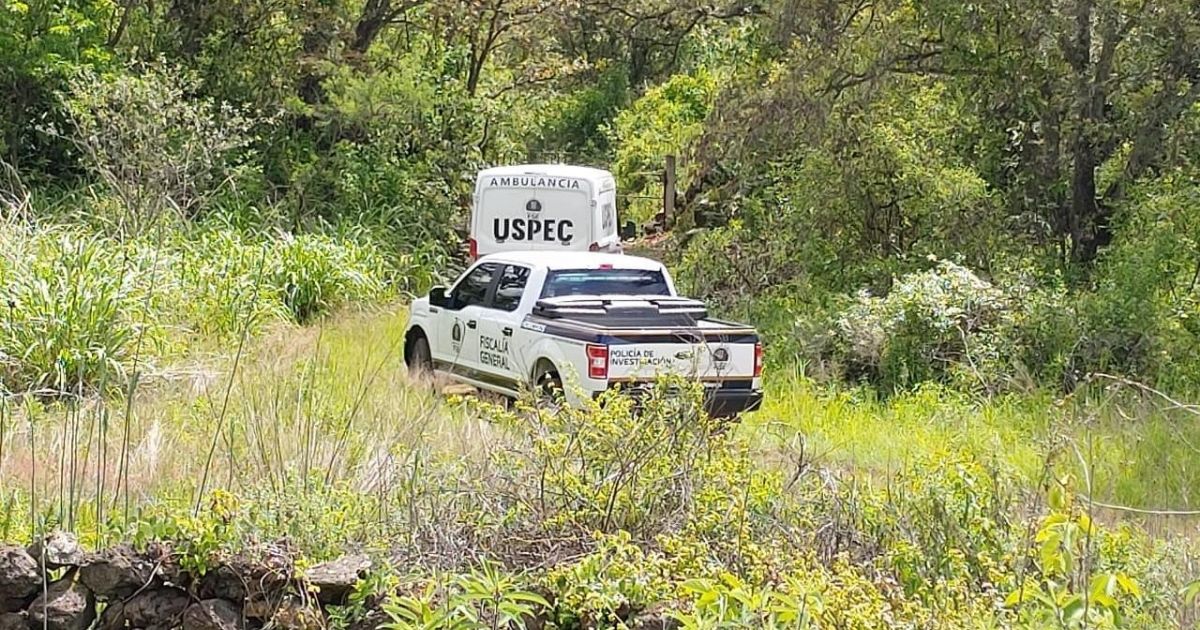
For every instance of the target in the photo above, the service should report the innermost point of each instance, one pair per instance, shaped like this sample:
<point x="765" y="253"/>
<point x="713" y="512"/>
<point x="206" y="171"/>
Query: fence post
<point x="669" y="192"/>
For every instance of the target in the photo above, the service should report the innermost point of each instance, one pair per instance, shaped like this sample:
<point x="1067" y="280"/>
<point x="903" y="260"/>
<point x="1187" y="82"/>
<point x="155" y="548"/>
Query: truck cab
<point x="544" y="207"/>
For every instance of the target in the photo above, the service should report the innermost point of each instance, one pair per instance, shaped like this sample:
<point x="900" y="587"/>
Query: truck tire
<point x="420" y="359"/>
<point x="549" y="385"/>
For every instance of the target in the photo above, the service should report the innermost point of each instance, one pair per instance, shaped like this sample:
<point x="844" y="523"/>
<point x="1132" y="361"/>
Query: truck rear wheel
<point x="549" y="386"/>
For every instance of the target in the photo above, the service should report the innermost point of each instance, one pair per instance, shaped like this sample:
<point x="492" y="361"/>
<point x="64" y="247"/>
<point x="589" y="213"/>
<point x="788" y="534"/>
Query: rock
<point x="14" y="621"/>
<point x="212" y="614"/>
<point x="262" y="575"/>
<point x="162" y="556"/>
<point x="116" y="573"/>
<point x="19" y="578"/>
<point x="66" y="605"/>
<point x="58" y="550"/>
<point x="160" y="606"/>
<point x="289" y="614"/>
<point x="334" y="580"/>
<point x="223" y="582"/>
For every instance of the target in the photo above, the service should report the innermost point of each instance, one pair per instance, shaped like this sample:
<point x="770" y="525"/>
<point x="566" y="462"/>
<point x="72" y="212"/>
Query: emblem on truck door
<point x="533" y="206"/>
<point x="456" y="335"/>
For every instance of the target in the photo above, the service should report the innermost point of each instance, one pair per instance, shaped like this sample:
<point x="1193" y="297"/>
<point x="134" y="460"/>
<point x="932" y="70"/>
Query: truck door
<point x="499" y="356"/>
<point x="458" y="325"/>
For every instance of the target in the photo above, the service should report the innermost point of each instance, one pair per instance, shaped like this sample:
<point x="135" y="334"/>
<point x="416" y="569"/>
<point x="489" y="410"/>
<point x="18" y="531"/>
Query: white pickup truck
<point x="541" y="320"/>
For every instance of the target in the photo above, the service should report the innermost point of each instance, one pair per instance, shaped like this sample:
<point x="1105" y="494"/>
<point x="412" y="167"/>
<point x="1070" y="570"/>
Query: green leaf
<point x="1128" y="584"/>
<point x="1191" y="592"/>
<point x="1073" y="611"/>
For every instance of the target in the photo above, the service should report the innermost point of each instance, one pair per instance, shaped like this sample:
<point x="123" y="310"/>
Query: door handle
<point x="471" y="324"/>
<point x="507" y="330"/>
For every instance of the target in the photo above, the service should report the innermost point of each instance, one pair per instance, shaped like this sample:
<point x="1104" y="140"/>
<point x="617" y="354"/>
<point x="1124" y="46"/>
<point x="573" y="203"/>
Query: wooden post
<point x="669" y="192"/>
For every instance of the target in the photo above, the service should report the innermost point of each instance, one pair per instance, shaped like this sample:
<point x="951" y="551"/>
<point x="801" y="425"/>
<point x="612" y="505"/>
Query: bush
<point x="315" y="274"/>
<point x="607" y="468"/>
<point x="941" y="324"/>
<point x="663" y="121"/>
<point x="73" y="312"/>
<point x="157" y="148"/>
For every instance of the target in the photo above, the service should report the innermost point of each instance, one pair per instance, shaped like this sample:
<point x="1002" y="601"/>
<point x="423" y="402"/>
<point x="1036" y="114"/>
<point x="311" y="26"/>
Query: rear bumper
<point x="720" y="402"/>
<point x="724" y="403"/>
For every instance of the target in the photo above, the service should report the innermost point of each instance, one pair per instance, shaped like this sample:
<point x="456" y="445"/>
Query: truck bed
<point x="648" y="319"/>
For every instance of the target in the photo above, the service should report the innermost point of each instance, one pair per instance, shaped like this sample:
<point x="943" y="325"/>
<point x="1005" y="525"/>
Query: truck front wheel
<point x="420" y="359"/>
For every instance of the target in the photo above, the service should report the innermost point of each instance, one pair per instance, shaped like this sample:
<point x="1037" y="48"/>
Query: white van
<point x="546" y="207"/>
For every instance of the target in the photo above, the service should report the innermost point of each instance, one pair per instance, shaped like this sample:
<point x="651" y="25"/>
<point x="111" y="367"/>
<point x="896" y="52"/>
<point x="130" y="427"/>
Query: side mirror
<point x="437" y="297"/>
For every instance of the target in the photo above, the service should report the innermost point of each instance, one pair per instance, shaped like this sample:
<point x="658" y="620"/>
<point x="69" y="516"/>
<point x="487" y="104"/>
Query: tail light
<point x="597" y="362"/>
<point x="594" y="247"/>
<point x="758" y="360"/>
<point x="474" y="249"/>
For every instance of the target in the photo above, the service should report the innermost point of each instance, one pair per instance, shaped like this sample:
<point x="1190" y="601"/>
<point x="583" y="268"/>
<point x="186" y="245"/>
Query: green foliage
<point x="316" y="274"/>
<point x="487" y="597"/>
<point x="158" y="151"/>
<point x="574" y="125"/>
<point x="942" y="323"/>
<point x="731" y="603"/>
<point x="73" y="316"/>
<point x="1075" y="586"/>
<point x="79" y="307"/>
<point x="945" y="525"/>
<point x="663" y="121"/>
<point x="596" y="466"/>
<point x="41" y="46"/>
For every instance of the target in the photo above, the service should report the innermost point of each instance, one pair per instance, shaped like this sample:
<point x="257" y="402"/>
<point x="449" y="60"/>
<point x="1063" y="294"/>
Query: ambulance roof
<point x="551" y="170"/>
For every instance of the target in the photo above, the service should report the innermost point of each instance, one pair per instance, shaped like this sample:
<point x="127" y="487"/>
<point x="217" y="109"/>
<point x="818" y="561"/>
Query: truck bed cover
<point x="607" y="318"/>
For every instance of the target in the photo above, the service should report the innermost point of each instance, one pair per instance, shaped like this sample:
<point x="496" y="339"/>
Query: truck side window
<point x="510" y="288"/>
<point x="474" y="287"/>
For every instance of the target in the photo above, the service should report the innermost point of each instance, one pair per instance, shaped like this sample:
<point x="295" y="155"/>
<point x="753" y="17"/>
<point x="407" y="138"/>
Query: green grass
<point x="1138" y="450"/>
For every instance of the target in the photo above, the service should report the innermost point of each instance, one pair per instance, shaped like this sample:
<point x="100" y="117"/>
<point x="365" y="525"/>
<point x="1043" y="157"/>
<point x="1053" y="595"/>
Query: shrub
<point x="73" y="312"/>
<point x="664" y="120"/>
<point x="315" y="274"/>
<point x="596" y="466"/>
<point x="153" y="145"/>
<point x="942" y="324"/>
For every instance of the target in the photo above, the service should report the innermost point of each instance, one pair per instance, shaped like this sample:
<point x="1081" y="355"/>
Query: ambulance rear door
<point x="533" y="212"/>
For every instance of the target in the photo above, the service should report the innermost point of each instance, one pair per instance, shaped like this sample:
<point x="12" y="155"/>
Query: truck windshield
<point x="605" y="282"/>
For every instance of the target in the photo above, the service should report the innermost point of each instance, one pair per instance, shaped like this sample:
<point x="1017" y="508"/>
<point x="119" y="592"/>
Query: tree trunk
<point x="1083" y="211"/>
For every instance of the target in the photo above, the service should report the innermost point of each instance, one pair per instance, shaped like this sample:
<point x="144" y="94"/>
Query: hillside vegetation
<point x="968" y="232"/>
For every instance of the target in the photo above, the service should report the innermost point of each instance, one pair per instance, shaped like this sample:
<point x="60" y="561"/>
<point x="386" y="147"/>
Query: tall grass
<point x="310" y="411"/>
<point x="78" y="306"/>
<point x="318" y="437"/>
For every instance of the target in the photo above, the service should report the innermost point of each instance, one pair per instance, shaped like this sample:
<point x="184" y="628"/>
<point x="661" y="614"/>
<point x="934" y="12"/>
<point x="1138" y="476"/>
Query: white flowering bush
<point x="945" y="323"/>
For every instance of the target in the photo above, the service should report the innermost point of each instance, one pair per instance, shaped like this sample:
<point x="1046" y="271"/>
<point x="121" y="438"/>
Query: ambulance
<point x="544" y="207"/>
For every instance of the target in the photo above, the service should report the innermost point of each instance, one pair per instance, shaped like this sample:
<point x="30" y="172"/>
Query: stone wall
<point x="55" y="585"/>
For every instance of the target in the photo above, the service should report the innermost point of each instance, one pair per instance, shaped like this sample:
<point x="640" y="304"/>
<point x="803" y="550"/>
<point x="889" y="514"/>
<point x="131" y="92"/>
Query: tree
<point x="157" y="150"/>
